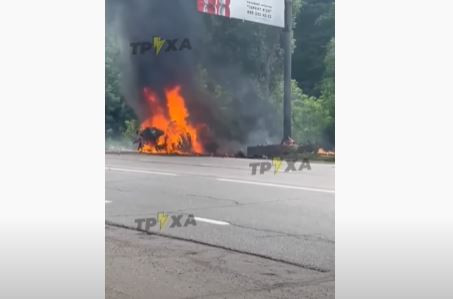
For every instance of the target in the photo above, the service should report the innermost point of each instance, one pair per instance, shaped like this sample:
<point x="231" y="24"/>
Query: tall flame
<point x="178" y="135"/>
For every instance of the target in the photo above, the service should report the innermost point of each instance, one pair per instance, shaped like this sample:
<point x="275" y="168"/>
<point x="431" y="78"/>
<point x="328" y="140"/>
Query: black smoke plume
<point x="248" y="117"/>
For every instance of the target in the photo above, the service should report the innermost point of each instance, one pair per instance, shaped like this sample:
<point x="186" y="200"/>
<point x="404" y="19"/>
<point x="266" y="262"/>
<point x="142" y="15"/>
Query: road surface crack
<point x="300" y="265"/>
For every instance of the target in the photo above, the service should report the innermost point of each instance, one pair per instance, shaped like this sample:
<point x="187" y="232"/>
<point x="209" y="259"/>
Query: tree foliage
<point x="117" y="112"/>
<point x="314" y="30"/>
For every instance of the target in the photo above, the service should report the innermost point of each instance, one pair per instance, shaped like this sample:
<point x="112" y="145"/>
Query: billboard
<point x="270" y="12"/>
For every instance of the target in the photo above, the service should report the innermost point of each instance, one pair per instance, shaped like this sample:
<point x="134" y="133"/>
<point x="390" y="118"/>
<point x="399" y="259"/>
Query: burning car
<point x="168" y="129"/>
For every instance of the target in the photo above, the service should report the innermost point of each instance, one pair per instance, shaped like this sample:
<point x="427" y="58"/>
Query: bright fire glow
<point x="179" y="136"/>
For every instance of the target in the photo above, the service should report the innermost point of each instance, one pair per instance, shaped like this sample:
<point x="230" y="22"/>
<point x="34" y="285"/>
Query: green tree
<point x="117" y="112"/>
<point x="315" y="28"/>
<point x="328" y="93"/>
<point x="309" y="116"/>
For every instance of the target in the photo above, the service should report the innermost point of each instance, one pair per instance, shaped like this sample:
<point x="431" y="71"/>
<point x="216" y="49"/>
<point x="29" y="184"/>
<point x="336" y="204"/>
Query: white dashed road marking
<point x="211" y="221"/>
<point x="140" y="171"/>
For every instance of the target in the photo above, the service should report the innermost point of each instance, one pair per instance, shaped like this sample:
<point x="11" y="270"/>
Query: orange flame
<point x="324" y="153"/>
<point x="179" y="136"/>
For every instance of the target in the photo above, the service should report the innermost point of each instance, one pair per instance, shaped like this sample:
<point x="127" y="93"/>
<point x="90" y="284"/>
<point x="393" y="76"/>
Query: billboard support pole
<point x="287" y="128"/>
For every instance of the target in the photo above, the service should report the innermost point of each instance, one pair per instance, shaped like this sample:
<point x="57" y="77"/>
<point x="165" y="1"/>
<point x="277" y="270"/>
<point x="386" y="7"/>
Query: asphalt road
<point x="283" y="221"/>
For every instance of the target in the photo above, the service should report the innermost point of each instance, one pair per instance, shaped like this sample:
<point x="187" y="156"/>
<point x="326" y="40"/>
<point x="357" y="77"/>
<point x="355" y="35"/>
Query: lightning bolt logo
<point x="162" y="218"/>
<point x="158" y="43"/>
<point x="277" y="163"/>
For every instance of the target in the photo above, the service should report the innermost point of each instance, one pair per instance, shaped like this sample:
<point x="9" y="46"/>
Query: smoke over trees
<point x="232" y="76"/>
